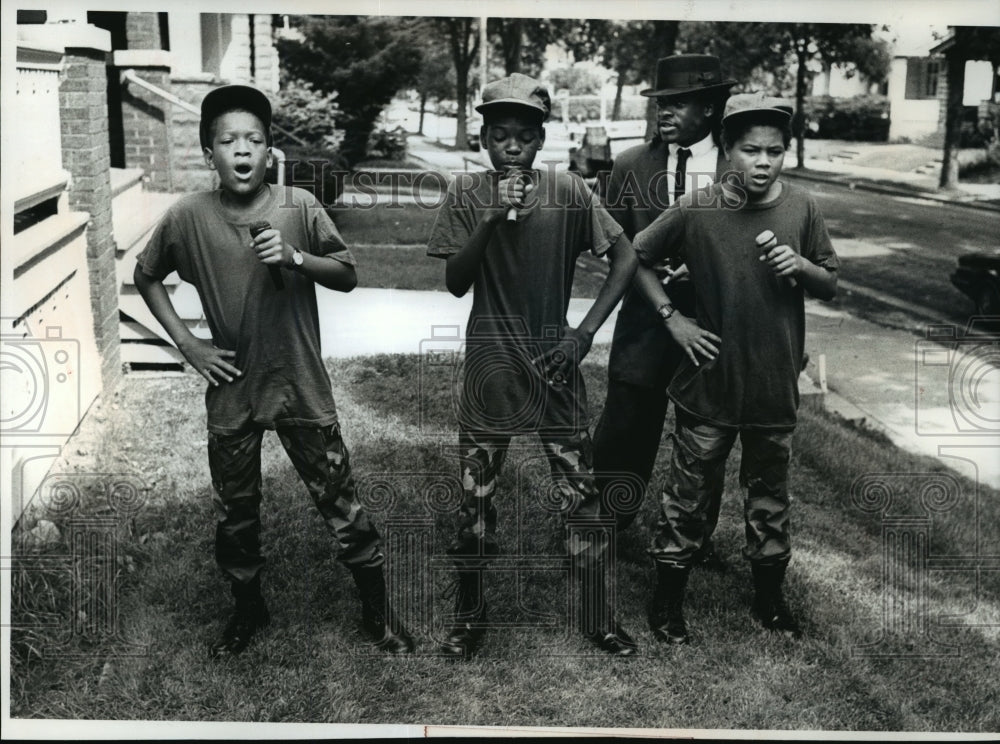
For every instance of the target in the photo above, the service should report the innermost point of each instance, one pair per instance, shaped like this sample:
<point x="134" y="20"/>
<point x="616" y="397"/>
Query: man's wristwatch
<point x="296" y="258"/>
<point x="665" y="311"/>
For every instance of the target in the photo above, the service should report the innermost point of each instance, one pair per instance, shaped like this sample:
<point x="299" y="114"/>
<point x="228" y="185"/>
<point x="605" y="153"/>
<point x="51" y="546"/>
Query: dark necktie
<point x="680" y="173"/>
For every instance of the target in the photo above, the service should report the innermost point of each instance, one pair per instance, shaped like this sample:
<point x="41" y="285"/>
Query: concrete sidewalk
<point x="398" y="321"/>
<point x="830" y="166"/>
<point x="939" y="397"/>
<point x="930" y="398"/>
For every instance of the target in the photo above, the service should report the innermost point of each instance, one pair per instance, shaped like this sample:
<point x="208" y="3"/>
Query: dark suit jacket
<point x="642" y="352"/>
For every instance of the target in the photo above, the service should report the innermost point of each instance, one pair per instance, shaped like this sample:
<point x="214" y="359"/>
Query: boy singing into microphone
<point x="255" y="253"/>
<point x="514" y="235"/>
<point x="752" y="245"/>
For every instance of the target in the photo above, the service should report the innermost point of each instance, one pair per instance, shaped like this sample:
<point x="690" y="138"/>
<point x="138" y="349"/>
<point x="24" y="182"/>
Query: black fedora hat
<point x="687" y="73"/>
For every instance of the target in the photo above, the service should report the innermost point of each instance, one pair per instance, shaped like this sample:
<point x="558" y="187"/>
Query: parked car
<point x="978" y="276"/>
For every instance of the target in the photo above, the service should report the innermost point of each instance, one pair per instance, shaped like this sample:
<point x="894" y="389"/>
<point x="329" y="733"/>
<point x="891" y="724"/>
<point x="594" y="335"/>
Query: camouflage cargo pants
<point x="571" y="462"/>
<point x="697" y="475"/>
<point x="320" y="457"/>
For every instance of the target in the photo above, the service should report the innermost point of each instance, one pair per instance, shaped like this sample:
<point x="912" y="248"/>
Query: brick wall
<point x="146" y="124"/>
<point x="189" y="170"/>
<point x="142" y="30"/>
<point x="86" y="155"/>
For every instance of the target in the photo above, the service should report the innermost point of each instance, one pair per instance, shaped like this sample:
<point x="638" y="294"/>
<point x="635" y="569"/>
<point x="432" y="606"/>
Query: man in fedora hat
<point x="684" y="155"/>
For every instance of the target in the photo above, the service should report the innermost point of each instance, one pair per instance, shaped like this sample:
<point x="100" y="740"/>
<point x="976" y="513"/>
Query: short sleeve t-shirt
<point x="275" y="333"/>
<point x="520" y="297"/>
<point x="752" y="383"/>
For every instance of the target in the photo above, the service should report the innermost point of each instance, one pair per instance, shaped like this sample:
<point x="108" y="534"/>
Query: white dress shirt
<point x="701" y="164"/>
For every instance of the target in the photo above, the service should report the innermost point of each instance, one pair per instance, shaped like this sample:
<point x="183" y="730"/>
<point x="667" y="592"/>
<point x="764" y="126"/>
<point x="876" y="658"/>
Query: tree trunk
<point x="462" y="100"/>
<point x="953" y="119"/>
<point x="423" y="108"/>
<point x="512" y="41"/>
<point x="464" y="48"/>
<point x="616" y="109"/>
<point x="799" y="125"/>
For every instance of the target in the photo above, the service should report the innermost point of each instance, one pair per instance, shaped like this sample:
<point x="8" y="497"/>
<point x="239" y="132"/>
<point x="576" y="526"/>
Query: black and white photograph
<point x="436" y="369"/>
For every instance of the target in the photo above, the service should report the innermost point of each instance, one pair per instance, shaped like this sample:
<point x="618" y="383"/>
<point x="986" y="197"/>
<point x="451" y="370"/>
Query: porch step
<point x="134" y="214"/>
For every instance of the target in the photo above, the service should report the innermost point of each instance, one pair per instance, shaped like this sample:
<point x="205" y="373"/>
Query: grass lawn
<point x="313" y="665"/>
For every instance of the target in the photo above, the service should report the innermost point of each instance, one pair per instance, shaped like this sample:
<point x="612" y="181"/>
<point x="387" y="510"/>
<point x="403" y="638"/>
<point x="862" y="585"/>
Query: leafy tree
<point x="579" y="81"/>
<point x="630" y="48"/>
<point x="306" y="117"/>
<point x="364" y="60"/>
<point x="462" y="35"/>
<point x="521" y="42"/>
<point x="748" y="49"/>
<point x="436" y="79"/>
<point x="966" y="43"/>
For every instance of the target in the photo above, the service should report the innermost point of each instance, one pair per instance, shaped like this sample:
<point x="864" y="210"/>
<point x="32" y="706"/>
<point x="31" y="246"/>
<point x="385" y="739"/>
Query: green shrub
<point x="389" y="144"/>
<point x="858" y="119"/>
<point x="307" y="114"/>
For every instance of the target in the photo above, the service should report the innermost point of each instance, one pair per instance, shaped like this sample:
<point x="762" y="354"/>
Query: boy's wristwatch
<point x="665" y="311"/>
<point x="296" y="258"/>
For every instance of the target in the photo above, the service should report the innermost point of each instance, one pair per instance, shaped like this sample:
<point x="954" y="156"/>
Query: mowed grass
<point x="313" y="664"/>
<point x="390" y="244"/>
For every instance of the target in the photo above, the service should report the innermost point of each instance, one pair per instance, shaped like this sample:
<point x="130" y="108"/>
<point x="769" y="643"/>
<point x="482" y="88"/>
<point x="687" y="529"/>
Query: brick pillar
<point x="142" y="31"/>
<point x="86" y="155"/>
<point x="146" y="116"/>
<point x="265" y="54"/>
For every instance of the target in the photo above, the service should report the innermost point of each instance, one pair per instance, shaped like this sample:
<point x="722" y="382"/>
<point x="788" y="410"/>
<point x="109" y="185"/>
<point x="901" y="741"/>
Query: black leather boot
<point x="596" y="620"/>
<point x="470" y="616"/>
<point x="769" y="604"/>
<point x="249" y="615"/>
<point x="666" y="610"/>
<point x="377" y="618"/>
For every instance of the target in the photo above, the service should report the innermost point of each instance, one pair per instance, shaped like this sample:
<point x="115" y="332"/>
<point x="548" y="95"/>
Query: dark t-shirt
<point x="638" y="191"/>
<point x="520" y="297"/>
<point x="760" y="318"/>
<point x="275" y="333"/>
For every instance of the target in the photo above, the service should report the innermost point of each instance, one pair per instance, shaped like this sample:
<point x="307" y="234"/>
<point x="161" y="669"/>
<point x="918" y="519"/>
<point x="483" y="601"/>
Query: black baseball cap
<point x="229" y="98"/>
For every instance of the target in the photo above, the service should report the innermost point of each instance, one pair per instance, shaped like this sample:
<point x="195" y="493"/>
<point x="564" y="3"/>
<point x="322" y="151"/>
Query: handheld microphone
<point x="256" y="228"/>
<point x="765" y="242"/>
<point x="512" y="212"/>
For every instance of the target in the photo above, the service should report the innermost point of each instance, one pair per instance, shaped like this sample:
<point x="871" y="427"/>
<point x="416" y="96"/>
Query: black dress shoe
<point x="241" y="629"/>
<point x="463" y="641"/>
<point x="615" y="641"/>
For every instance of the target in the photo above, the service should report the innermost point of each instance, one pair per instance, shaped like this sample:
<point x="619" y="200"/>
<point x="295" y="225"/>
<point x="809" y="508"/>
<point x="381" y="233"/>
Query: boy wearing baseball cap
<point x="255" y="252"/>
<point x="753" y="244"/>
<point x="514" y="234"/>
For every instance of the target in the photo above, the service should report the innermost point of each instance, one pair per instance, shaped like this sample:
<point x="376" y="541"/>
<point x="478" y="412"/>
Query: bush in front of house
<point x="856" y="119"/>
<point x="305" y="113"/>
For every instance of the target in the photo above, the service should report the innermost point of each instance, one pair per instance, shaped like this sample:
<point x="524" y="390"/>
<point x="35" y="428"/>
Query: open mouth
<point x="243" y="169"/>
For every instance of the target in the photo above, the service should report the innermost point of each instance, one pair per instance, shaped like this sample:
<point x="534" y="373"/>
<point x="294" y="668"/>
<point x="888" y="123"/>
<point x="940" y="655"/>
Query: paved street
<point x="905" y="247"/>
